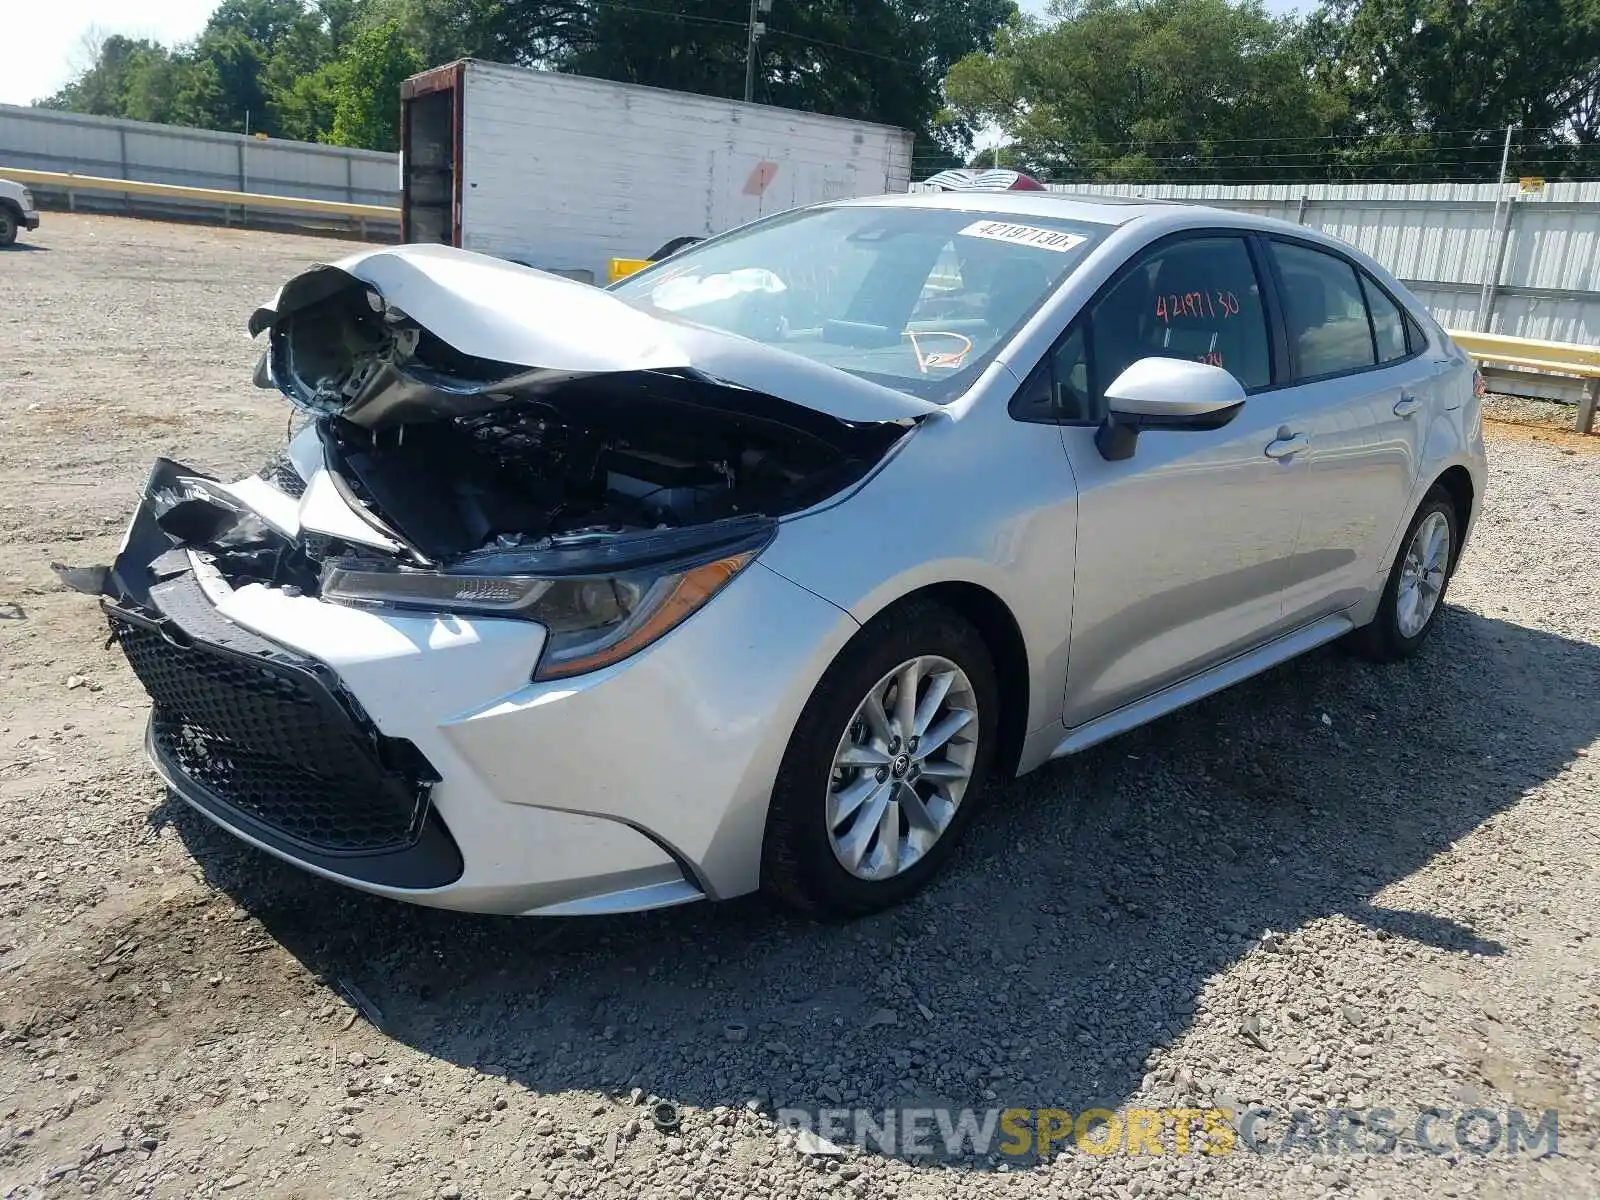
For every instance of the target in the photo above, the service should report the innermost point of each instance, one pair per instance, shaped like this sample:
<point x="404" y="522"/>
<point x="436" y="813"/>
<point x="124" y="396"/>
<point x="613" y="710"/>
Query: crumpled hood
<point x="508" y="328"/>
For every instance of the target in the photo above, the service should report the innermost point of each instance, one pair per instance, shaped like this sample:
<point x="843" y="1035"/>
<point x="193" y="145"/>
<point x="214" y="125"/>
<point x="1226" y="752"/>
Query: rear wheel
<point x="1417" y="582"/>
<point x="884" y="767"/>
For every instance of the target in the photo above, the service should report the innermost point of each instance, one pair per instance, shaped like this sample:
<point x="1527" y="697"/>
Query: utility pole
<point x="1491" y="274"/>
<point x="757" y="28"/>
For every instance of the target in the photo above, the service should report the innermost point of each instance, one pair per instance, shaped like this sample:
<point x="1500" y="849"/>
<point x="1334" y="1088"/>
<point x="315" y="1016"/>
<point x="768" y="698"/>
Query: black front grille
<point x="281" y="474"/>
<point x="269" y="740"/>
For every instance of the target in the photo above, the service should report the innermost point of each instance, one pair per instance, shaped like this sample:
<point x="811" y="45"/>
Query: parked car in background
<point x="750" y="571"/>
<point x="982" y="179"/>
<point x="16" y="211"/>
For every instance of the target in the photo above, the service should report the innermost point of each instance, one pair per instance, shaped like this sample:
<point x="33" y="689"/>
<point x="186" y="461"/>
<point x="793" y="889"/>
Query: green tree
<point x="304" y="110"/>
<point x="1433" y="83"/>
<point x="366" y="88"/>
<point x="1150" y="89"/>
<point x="222" y="86"/>
<point x="330" y="69"/>
<point x="875" y="60"/>
<point x="264" y="22"/>
<point x="124" y="71"/>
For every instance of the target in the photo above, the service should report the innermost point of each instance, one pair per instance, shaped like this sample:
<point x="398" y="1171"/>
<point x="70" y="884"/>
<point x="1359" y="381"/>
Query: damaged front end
<point x="260" y="737"/>
<point x="488" y="439"/>
<point x="483" y="441"/>
<point x="514" y="444"/>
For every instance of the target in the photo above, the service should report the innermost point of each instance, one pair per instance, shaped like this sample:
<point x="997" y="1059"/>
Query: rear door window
<point x="1325" y="312"/>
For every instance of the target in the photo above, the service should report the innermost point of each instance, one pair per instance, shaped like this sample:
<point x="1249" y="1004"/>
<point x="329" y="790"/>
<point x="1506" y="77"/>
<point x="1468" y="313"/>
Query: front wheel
<point x="884" y="767"/>
<point x="9" y="224"/>
<point x="1416" y="585"/>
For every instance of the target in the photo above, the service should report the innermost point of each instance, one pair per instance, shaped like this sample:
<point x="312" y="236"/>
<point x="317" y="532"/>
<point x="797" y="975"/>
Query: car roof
<point x="1113" y="211"/>
<point x="1100" y="210"/>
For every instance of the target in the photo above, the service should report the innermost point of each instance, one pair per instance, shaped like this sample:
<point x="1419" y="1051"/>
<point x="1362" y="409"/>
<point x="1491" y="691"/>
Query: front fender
<point x="990" y="503"/>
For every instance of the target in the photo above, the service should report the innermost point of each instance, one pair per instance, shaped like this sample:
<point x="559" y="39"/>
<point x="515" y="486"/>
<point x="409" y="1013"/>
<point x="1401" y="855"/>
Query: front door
<point x="1184" y="549"/>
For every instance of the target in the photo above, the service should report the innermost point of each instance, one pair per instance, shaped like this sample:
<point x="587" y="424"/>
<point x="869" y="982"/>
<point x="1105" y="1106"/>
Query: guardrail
<point x="60" y="181"/>
<point x="1551" y="369"/>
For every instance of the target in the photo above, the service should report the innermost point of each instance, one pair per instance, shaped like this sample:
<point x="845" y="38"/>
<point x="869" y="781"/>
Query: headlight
<point x="592" y="620"/>
<point x="27" y="199"/>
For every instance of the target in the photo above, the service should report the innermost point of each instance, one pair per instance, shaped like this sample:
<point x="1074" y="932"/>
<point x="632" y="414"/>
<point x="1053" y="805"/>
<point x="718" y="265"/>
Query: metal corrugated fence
<point x="45" y="140"/>
<point x="1443" y="240"/>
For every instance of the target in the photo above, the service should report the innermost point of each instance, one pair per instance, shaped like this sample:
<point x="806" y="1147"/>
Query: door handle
<point x="1407" y="405"/>
<point x="1283" y="447"/>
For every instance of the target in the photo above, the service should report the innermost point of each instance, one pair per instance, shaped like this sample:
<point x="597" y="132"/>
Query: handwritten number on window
<point x="1199" y="305"/>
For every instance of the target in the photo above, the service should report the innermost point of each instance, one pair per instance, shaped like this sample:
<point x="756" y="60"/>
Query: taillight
<point x="1478" y="386"/>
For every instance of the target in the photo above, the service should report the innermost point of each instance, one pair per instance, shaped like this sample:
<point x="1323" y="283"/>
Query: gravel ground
<point x="1334" y="886"/>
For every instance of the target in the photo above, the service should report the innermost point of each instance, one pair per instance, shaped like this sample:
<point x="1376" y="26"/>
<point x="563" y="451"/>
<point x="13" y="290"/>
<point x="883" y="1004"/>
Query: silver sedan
<point x="753" y="570"/>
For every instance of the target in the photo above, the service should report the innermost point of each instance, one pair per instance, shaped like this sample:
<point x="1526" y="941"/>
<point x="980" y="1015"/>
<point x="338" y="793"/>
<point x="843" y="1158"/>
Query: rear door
<point x="1361" y="388"/>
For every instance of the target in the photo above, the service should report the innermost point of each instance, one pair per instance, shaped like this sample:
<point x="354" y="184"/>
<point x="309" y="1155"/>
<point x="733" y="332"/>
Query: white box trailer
<point x="565" y="172"/>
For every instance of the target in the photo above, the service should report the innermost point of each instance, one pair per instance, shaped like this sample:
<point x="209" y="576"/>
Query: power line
<point x="801" y="37"/>
<point x="672" y="15"/>
<point x="1318" y="137"/>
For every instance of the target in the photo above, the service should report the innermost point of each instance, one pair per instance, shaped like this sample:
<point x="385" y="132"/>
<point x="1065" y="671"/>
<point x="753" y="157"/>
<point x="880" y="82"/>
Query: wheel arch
<point x="1002" y="636"/>
<point x="1457" y="483"/>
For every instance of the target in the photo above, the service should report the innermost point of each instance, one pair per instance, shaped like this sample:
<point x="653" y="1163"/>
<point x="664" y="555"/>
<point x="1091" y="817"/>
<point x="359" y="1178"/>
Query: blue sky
<point x="45" y="48"/>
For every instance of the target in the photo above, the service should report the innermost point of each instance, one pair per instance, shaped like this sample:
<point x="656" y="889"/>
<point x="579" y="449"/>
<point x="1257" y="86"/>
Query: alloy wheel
<point x="1422" y="574"/>
<point x="902" y="767"/>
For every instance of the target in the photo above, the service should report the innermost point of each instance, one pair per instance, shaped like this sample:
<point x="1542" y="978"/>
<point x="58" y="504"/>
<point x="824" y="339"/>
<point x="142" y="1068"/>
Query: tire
<point x="1387" y="638"/>
<point x="9" y="224"/>
<point x="801" y="866"/>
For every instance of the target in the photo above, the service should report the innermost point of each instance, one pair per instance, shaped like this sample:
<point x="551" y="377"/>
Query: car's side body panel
<point x="982" y="500"/>
<point x="1183" y="555"/>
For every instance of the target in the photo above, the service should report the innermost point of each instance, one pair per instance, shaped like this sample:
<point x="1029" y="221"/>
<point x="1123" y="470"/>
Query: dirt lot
<point x="1336" y="886"/>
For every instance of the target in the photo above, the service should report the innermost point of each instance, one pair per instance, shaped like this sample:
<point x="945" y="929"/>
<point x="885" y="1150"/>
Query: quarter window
<point x="1388" y="322"/>
<point x="1070" y="376"/>
<point x="1325" y="312"/>
<point x="1197" y="299"/>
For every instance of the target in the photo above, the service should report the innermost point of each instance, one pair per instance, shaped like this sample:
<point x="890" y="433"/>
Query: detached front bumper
<point x="411" y="756"/>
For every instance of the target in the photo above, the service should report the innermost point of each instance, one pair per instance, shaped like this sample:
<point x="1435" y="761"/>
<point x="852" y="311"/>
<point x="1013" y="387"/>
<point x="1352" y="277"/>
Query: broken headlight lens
<point x="592" y="621"/>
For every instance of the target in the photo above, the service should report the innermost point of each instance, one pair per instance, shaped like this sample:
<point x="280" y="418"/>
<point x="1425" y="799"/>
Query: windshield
<point x="918" y="299"/>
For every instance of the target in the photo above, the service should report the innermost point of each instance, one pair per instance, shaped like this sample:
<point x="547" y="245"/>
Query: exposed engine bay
<point x="464" y="464"/>
<point x="593" y="457"/>
<point x="458" y="454"/>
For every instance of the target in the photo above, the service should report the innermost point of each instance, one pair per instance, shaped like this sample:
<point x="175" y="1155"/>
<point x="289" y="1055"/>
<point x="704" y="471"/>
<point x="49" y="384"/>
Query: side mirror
<point x="1165" y="393"/>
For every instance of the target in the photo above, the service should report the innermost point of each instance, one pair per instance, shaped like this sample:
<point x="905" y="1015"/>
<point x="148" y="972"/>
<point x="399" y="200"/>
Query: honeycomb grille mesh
<point x="274" y="745"/>
<point x="280" y="473"/>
